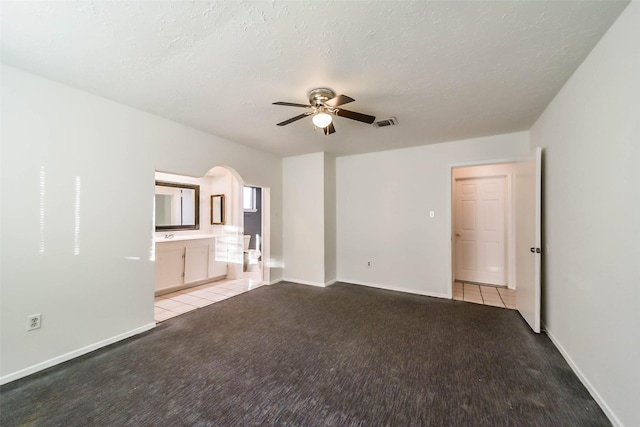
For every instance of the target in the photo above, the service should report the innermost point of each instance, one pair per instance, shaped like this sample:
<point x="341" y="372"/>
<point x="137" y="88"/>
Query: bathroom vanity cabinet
<point x="185" y="262"/>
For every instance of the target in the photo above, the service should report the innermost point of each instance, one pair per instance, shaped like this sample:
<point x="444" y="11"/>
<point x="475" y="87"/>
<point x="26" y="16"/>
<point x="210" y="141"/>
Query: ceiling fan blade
<point x="356" y="116"/>
<point x="293" y="119"/>
<point x="292" y="104"/>
<point x="339" y="100"/>
<point x="329" y="129"/>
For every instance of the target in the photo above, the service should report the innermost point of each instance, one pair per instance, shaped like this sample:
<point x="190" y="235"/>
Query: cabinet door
<point x="195" y="263"/>
<point x="169" y="268"/>
<point x="216" y="268"/>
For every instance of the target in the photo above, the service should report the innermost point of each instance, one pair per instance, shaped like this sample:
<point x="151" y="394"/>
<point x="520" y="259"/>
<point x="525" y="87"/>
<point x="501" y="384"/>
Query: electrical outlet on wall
<point x="368" y="263"/>
<point x="34" y="322"/>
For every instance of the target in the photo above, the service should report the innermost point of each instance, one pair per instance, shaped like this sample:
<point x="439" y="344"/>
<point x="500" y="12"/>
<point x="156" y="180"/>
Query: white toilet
<point x="251" y="256"/>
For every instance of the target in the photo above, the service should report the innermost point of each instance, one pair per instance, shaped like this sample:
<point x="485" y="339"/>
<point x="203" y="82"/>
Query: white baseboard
<point x="73" y="354"/>
<point x="596" y="396"/>
<point x="395" y="288"/>
<point x="305" y="282"/>
<point x="175" y="288"/>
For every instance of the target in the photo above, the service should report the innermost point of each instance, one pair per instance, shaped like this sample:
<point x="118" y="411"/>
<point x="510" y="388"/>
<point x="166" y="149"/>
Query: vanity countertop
<point x="178" y="237"/>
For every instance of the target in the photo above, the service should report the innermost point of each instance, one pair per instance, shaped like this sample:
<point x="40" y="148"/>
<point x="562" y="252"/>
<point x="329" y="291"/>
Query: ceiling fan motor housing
<point x="319" y="96"/>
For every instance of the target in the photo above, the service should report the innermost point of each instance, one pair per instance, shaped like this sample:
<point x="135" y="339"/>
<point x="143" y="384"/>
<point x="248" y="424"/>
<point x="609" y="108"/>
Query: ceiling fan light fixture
<point x="321" y="120"/>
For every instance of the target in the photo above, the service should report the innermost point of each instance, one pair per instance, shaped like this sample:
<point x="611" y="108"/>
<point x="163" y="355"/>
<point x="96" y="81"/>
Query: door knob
<point x="457" y="234"/>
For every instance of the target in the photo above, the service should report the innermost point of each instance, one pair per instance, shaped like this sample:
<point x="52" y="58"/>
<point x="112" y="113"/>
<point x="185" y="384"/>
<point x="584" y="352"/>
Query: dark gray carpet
<point x="296" y="355"/>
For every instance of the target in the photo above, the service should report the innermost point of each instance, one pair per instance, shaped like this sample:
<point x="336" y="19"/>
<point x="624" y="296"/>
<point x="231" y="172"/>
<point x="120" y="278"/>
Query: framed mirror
<point x="217" y="209"/>
<point x="177" y="206"/>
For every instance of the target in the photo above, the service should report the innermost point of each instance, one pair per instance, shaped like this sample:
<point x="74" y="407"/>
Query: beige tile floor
<point x="185" y="300"/>
<point x="485" y="294"/>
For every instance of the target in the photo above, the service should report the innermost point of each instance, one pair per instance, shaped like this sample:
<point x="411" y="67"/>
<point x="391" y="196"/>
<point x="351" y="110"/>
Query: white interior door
<point x="480" y="230"/>
<point x="528" y="189"/>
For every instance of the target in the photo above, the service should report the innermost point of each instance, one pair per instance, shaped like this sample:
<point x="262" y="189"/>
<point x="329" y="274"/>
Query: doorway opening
<point x="203" y="264"/>
<point x="246" y="228"/>
<point x="252" y="265"/>
<point x="522" y="224"/>
<point x="483" y="226"/>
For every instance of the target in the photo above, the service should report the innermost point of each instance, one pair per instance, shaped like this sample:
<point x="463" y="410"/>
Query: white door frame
<point x="265" y="221"/>
<point x="266" y="235"/>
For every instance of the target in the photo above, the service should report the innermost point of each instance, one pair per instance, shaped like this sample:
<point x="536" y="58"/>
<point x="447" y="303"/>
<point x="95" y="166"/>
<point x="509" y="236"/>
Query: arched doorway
<point x="247" y="223"/>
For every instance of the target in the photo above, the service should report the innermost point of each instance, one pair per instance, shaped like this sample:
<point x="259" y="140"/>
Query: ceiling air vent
<point x="388" y="122"/>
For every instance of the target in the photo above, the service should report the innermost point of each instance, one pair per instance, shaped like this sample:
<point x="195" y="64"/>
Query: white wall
<point x="52" y="134"/>
<point x="303" y="220"/>
<point x="591" y="281"/>
<point x="222" y="182"/>
<point x="330" y="256"/>
<point x="383" y="204"/>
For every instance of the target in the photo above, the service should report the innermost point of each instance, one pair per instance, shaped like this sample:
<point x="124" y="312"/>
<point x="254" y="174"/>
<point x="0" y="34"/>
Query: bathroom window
<point x="249" y="199"/>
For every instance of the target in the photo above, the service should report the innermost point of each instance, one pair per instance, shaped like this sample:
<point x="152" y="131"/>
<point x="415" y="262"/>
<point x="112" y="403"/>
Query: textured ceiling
<point x="446" y="69"/>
